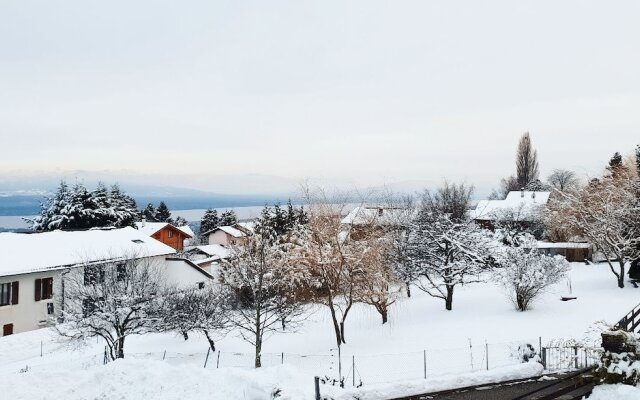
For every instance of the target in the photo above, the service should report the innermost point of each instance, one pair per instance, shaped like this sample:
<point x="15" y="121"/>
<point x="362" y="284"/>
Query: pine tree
<point x="209" y="221"/>
<point x="615" y="164"/>
<point x="162" y="213"/>
<point x="124" y="207"/>
<point x="150" y="213"/>
<point x="228" y="218"/>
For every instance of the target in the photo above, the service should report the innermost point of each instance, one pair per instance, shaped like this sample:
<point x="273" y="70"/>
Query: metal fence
<point x="569" y="358"/>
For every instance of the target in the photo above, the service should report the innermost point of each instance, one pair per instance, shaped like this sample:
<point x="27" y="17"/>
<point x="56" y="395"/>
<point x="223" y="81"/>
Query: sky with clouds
<point x="362" y="92"/>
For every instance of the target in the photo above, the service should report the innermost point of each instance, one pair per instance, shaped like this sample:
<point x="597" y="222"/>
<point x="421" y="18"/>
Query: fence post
<point x="424" y="362"/>
<point x="282" y="358"/>
<point x="207" y="359"/>
<point x="317" y="386"/>
<point x="353" y="369"/>
<point x="218" y="361"/>
<point x="41" y="348"/>
<point x="486" y="350"/>
<point x="164" y="355"/>
<point x="544" y="357"/>
<point x="575" y="357"/>
<point x="339" y="366"/>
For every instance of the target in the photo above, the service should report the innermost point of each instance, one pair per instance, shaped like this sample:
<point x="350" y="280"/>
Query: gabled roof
<point x="214" y="250"/>
<point x="526" y="203"/>
<point x="150" y="228"/>
<point x="380" y="215"/>
<point x="192" y="265"/>
<point x="22" y="253"/>
<point x="230" y="230"/>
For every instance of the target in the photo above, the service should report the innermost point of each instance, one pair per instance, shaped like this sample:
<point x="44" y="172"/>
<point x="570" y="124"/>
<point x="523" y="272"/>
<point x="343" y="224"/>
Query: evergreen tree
<point x="209" y="221"/>
<point x="124" y="207"/>
<point x="162" y="213"/>
<point x="615" y="164"/>
<point x="638" y="159"/>
<point x="228" y="218"/>
<point x="150" y="213"/>
<point x="50" y="216"/>
<point x="178" y="221"/>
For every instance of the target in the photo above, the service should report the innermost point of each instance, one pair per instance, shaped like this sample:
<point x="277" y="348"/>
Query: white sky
<point x="366" y="91"/>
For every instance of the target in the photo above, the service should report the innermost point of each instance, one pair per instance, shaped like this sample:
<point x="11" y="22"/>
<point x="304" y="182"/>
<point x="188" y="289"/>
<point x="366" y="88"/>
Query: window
<point x="93" y="274"/>
<point x="170" y="234"/>
<point x="44" y="289"/>
<point x="121" y="272"/>
<point x="8" y="293"/>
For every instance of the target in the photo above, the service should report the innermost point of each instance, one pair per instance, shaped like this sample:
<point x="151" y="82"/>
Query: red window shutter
<point x="14" y="292"/>
<point x="38" y="289"/>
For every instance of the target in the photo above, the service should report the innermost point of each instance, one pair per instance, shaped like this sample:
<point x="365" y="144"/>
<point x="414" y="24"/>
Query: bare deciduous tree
<point x="113" y="301"/>
<point x="563" y="180"/>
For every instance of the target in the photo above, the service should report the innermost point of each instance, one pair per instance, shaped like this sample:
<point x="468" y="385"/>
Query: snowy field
<point x="418" y="327"/>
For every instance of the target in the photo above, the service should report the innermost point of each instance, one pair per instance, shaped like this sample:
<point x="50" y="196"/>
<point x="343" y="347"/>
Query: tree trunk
<point x="449" y="299"/>
<point x="408" y="290"/>
<point x="185" y="335"/>
<point x="212" y="345"/>
<point x="258" y="361"/>
<point x="336" y="325"/>
<point x="342" y="332"/>
<point x="385" y="316"/>
<point x="621" y="275"/>
<point x="120" y="348"/>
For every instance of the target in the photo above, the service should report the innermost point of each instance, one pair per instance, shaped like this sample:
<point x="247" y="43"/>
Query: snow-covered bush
<point x="620" y="368"/>
<point x="524" y="353"/>
<point x="525" y="273"/>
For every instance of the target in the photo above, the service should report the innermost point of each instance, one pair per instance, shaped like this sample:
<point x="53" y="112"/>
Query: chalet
<point x="228" y="235"/>
<point x="33" y="268"/>
<point x="166" y="233"/>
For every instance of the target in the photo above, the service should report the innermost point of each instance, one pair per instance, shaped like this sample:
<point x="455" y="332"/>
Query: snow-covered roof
<point x="364" y="215"/>
<point x="214" y="250"/>
<point x="526" y="203"/>
<point x="22" y="253"/>
<point x="235" y="232"/>
<point x="149" y="228"/>
<point x="563" y="245"/>
<point x="248" y="225"/>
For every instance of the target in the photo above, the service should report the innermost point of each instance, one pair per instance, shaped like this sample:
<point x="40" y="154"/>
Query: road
<point x="497" y="392"/>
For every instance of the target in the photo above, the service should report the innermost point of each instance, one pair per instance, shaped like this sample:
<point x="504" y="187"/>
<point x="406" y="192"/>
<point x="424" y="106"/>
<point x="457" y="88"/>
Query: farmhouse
<point x="166" y="233"/>
<point x="33" y="268"/>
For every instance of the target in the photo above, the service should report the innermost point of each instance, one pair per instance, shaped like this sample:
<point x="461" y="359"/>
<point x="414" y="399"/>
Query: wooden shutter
<point x="38" y="289"/>
<point x="14" y="292"/>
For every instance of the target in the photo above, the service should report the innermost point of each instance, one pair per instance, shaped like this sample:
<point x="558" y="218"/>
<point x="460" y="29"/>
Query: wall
<point x="219" y="237"/>
<point x="176" y="241"/>
<point x="28" y="314"/>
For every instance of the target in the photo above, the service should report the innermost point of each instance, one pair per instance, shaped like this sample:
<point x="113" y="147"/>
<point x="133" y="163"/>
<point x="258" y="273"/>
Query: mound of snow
<point x="148" y="379"/>
<point x="615" y="392"/>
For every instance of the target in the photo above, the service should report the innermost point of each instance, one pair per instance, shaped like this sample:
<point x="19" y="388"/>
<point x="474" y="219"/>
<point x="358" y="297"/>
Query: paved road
<point x="504" y="392"/>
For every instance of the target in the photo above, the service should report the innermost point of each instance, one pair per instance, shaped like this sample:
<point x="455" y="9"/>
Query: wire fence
<point x="352" y="369"/>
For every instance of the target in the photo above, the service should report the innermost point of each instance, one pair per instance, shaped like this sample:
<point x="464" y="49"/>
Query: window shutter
<point x="38" y="289"/>
<point x="14" y="292"/>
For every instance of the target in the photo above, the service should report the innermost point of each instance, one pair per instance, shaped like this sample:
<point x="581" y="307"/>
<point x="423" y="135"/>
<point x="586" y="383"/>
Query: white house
<point x="523" y="204"/>
<point x="228" y="235"/>
<point x="33" y="266"/>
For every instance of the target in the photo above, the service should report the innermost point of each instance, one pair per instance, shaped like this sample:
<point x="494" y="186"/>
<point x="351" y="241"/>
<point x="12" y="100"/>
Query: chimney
<point x="521" y="192"/>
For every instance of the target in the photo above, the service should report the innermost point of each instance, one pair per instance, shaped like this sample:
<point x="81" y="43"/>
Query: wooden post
<point x="486" y="351"/>
<point x="424" y="362"/>
<point x="207" y="359"/>
<point x="353" y="369"/>
<point x="544" y="358"/>
<point x="339" y="365"/>
<point x="317" y="386"/>
<point x="41" y="348"/>
<point x="164" y="355"/>
<point x="282" y="358"/>
<point x="218" y="361"/>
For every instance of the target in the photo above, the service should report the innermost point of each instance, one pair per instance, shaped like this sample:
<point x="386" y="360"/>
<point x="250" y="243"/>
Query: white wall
<point x="219" y="237"/>
<point x="28" y="314"/>
<point x="179" y="273"/>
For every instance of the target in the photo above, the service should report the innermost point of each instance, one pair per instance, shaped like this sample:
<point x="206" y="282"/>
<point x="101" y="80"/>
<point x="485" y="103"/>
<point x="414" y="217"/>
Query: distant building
<point x="207" y="257"/>
<point x="521" y="206"/>
<point x="33" y="267"/>
<point x="228" y="235"/>
<point x="369" y="219"/>
<point x="166" y="233"/>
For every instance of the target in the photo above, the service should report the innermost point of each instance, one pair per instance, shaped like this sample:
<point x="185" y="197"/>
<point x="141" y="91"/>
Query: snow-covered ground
<point x="418" y="326"/>
<point x="615" y="392"/>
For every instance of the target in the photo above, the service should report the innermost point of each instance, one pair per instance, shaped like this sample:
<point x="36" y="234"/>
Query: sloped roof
<point x="149" y="228"/>
<point x="235" y="232"/>
<point x="527" y="203"/>
<point x="382" y="215"/>
<point x="22" y="253"/>
<point x="214" y="250"/>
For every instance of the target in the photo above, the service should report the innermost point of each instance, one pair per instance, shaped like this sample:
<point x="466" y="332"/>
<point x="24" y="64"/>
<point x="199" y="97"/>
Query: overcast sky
<point x="363" y="92"/>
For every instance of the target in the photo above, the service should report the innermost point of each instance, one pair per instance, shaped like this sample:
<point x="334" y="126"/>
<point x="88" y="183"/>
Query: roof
<point x="192" y="265"/>
<point x="214" y="250"/>
<point x="526" y="203"/>
<point x="382" y="215"/>
<point x="230" y="230"/>
<point x="149" y="228"/>
<point x="23" y="253"/>
<point x="563" y="245"/>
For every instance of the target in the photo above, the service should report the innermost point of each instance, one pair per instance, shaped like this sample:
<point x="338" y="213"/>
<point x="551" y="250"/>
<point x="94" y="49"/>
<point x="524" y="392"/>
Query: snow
<point x="232" y="231"/>
<point x="562" y="245"/>
<point x="386" y="357"/>
<point x="526" y="203"/>
<point x="23" y="253"/>
<point x="615" y="392"/>
<point x="149" y="228"/>
<point x="187" y="230"/>
<point x="363" y="215"/>
<point x="216" y="251"/>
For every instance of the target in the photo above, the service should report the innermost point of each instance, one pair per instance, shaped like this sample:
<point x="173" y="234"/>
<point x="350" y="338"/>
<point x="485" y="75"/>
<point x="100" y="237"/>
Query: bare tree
<point x="525" y="273"/>
<point x="398" y="233"/>
<point x="204" y="310"/>
<point x="379" y="288"/>
<point x="526" y="161"/>
<point x="265" y="283"/>
<point x="563" y="180"/>
<point x="607" y="214"/>
<point x="446" y="252"/>
<point x="113" y="301"/>
<point x="451" y="200"/>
